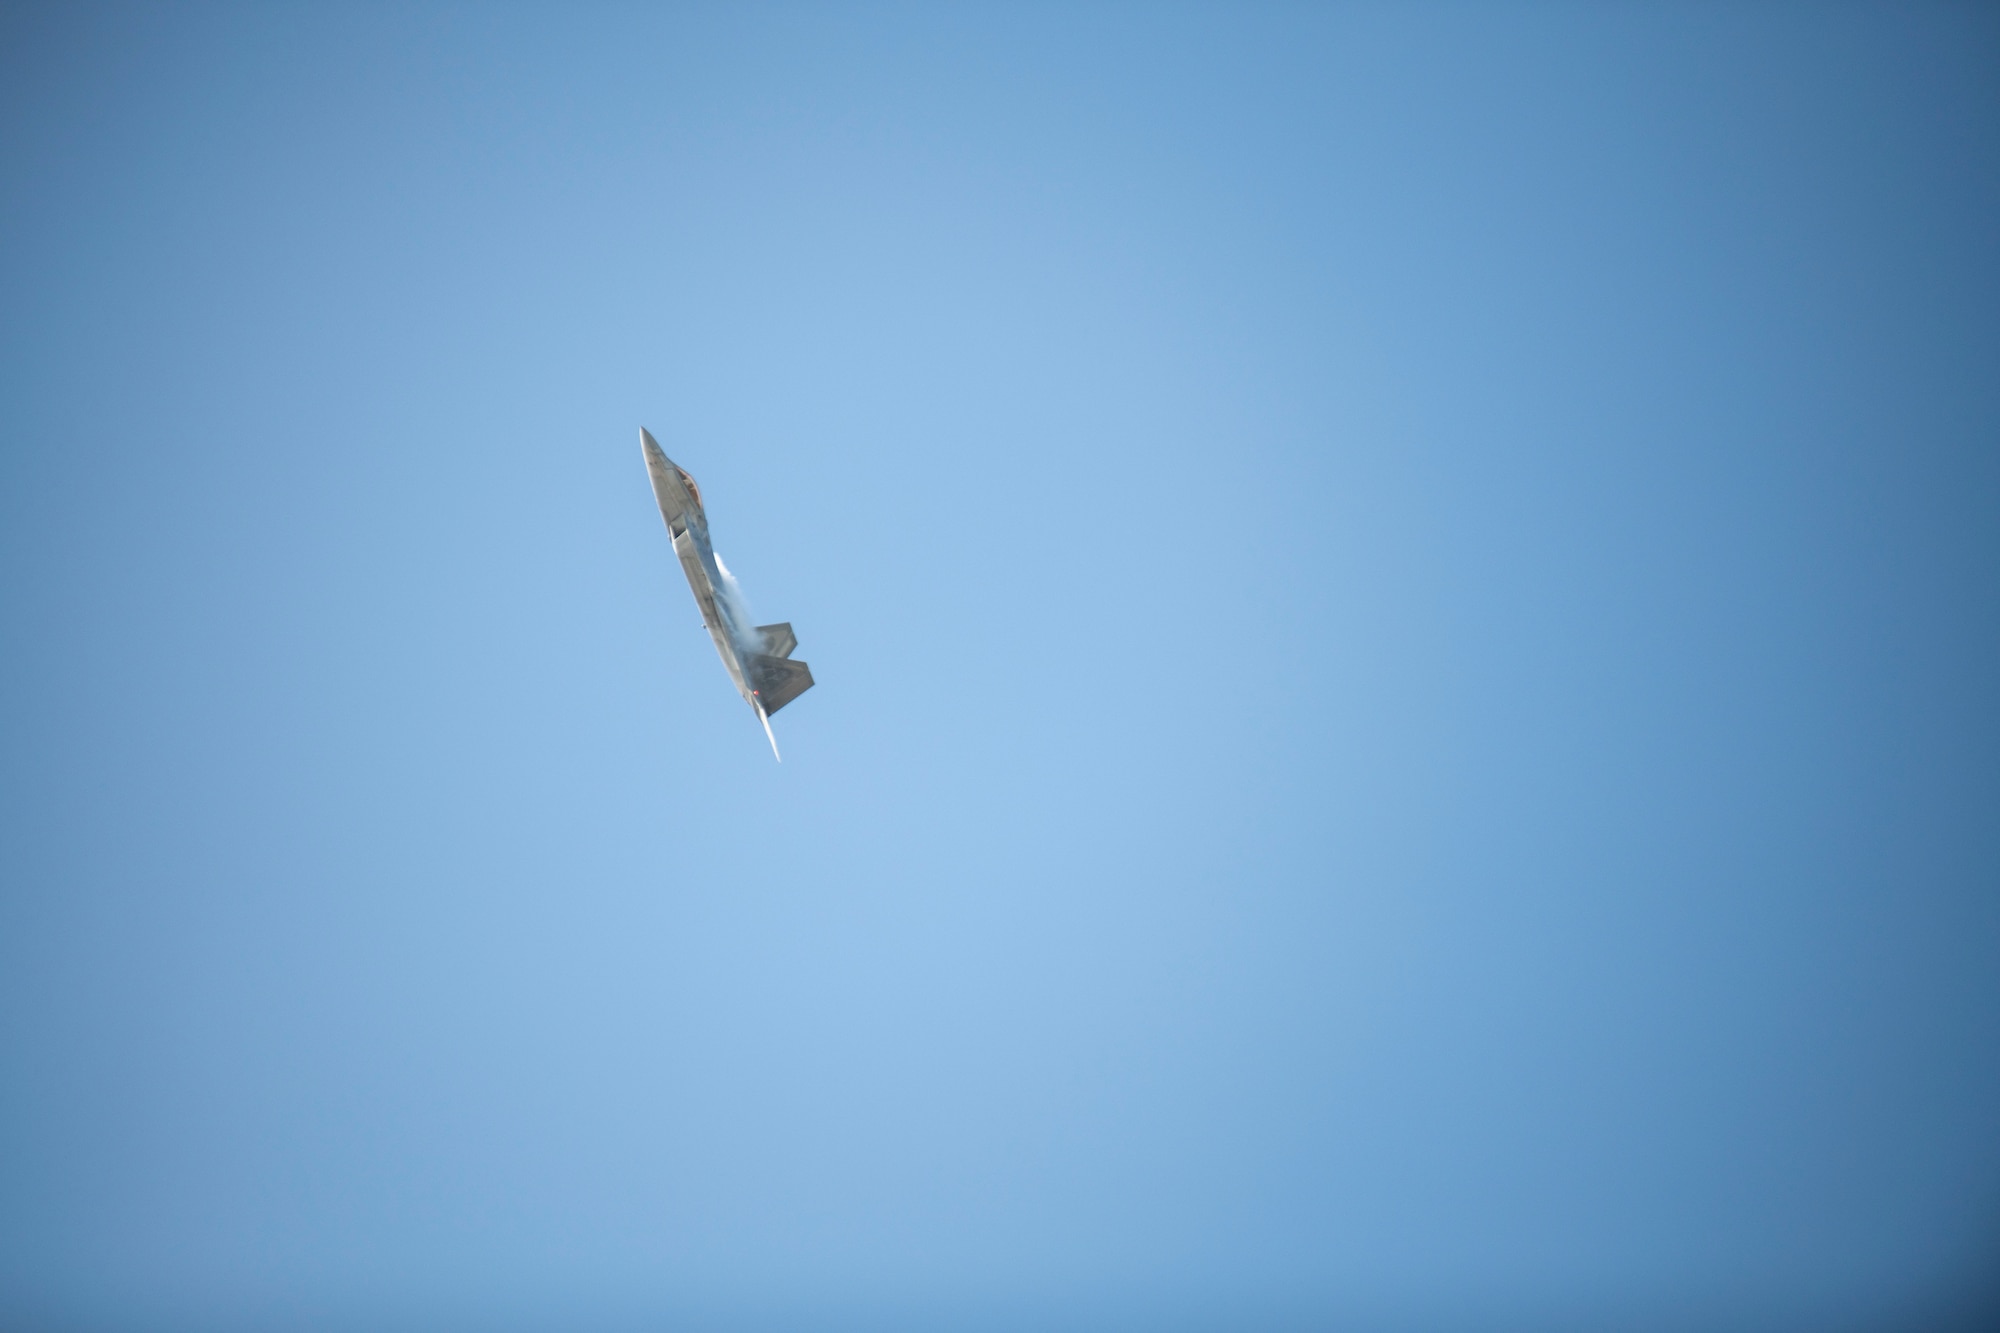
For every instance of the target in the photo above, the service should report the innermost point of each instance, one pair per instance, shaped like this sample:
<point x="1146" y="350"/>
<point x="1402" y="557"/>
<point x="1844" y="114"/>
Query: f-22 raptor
<point x="758" y="657"/>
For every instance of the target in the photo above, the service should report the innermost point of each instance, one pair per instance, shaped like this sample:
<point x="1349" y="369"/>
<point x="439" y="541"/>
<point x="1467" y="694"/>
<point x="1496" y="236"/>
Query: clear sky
<point x="1406" y="603"/>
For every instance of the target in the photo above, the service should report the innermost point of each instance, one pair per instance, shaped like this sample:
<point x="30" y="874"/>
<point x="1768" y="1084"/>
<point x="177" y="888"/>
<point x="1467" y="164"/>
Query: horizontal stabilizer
<point x="779" y="641"/>
<point x="778" y="680"/>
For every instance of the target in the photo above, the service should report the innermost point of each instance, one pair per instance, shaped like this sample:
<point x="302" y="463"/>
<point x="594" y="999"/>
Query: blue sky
<point x="1404" y="601"/>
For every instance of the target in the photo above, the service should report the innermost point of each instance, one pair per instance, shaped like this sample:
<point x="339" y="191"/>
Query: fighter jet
<point x="758" y="657"/>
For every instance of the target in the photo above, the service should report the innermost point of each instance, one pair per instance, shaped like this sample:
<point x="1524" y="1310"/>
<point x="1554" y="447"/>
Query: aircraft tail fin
<point x="778" y="680"/>
<point x="778" y="640"/>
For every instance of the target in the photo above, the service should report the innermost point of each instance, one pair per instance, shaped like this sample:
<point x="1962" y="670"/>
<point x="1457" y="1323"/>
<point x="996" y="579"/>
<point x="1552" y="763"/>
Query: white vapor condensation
<point x="742" y="627"/>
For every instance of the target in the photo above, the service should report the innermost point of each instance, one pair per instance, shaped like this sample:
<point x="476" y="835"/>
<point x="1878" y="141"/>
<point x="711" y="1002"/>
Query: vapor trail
<point x="742" y="627"/>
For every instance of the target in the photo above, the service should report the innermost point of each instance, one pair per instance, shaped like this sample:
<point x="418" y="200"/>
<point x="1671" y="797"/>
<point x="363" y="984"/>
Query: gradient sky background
<point x="1405" y="610"/>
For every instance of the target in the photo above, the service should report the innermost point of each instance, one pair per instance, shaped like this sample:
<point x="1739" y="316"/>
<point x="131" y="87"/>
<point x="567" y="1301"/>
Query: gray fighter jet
<point x="758" y="657"/>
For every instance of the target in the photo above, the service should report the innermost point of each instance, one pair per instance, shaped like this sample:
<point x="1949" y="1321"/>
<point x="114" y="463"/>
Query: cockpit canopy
<point x="688" y="482"/>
